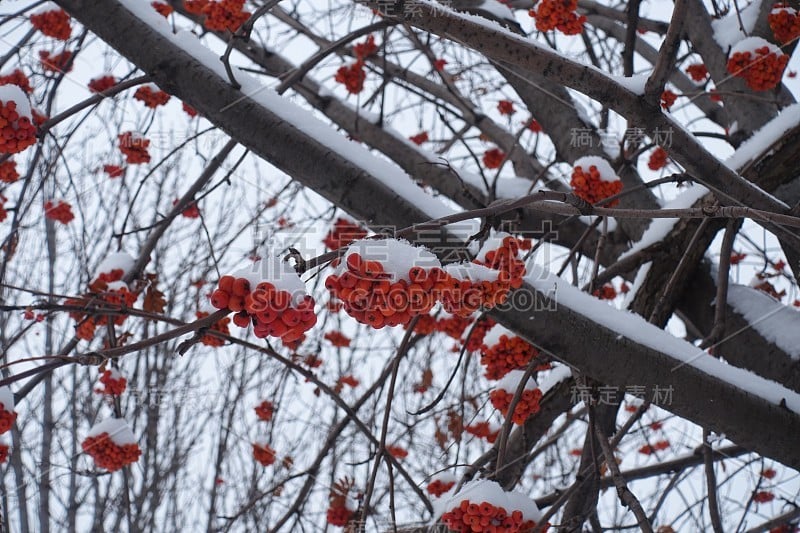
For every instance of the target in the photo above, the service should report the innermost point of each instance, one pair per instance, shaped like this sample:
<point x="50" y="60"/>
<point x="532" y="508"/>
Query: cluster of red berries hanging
<point x="784" y="22"/>
<point x="493" y="158"/>
<point x="697" y="71"/>
<point x="502" y="352"/>
<point x="506" y="107"/>
<point x="441" y="484"/>
<point x="484" y="430"/>
<point x="649" y="449"/>
<point x="190" y="211"/>
<point x="341" y="508"/>
<point x="220" y="326"/>
<point x="262" y="452"/>
<point x="338" y="339"/>
<point x="102" y="83"/>
<point x="17" y="131"/>
<point x="108" y="287"/>
<point x="60" y="212"/>
<point x="60" y="62"/>
<point x="271" y="297"/>
<point x="353" y="76"/>
<point x="151" y="96"/>
<point x="18" y="78"/>
<point x="224" y="15"/>
<point x="388" y="282"/>
<point x="658" y="159"/>
<point x="8" y="171"/>
<point x="53" y="23"/>
<point x="668" y="99"/>
<point x="342" y="234"/>
<point x="420" y="138"/>
<point x="111" y="444"/>
<point x="482" y="506"/>
<point x="758" y="62"/>
<point x="3" y="211"/>
<point x="114" y="171"/>
<point x="111" y="383"/>
<point x="558" y="15"/>
<point x="594" y="180"/>
<point x="381" y="293"/>
<point x="163" y="9"/>
<point x="7" y="414"/>
<point x="195" y="7"/>
<point x="7" y="418"/>
<point x="505" y="390"/>
<point x="134" y="147"/>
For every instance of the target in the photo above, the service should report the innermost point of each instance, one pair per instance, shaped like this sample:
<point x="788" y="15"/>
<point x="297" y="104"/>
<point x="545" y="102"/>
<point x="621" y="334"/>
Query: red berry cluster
<point x="163" y="9"/>
<point x="761" y="68"/>
<point x="658" y="159"/>
<point x="352" y="77"/>
<point x="485" y="517"/>
<point x="134" y="148"/>
<point x="668" y="99"/>
<point x="62" y="212"/>
<point x="263" y="454"/>
<point x="369" y="297"/>
<point x="493" y="157"/>
<point x="479" y="332"/>
<point x="649" y="449"/>
<point x="506" y="107"/>
<point x="117" y="294"/>
<point x="18" y="78"/>
<point x="151" y="96"/>
<point x="426" y="324"/>
<point x="16" y="131"/>
<point x="113" y="171"/>
<point x="7" y="418"/>
<point x="763" y="496"/>
<point x="265" y="411"/>
<point x="454" y="326"/>
<point x="437" y="487"/>
<point x="269" y="309"/>
<point x="483" y="430"/>
<point x="606" y="292"/>
<point x="534" y="126"/>
<point x="697" y="71"/>
<point x="784" y="22"/>
<point x="593" y="189"/>
<point x="439" y="64"/>
<point x="113" y="383"/>
<point x="195" y="7"/>
<point x="54" y="23"/>
<point x="342" y="234"/>
<point x="225" y="15"/>
<point x="528" y="403"/>
<point x="8" y="171"/>
<point x="419" y="138"/>
<point x="398" y="452"/>
<point x="189" y="110"/>
<point x="559" y="15"/>
<point x="3" y="212"/>
<point x="191" y="210"/>
<point x="339" y="516"/>
<point x="4" y="449"/>
<point x="103" y="83"/>
<point x="507" y="354"/>
<point x="220" y="326"/>
<point x="109" y="455"/>
<point x="337" y="339"/>
<point x="365" y="49"/>
<point x="55" y="62"/>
